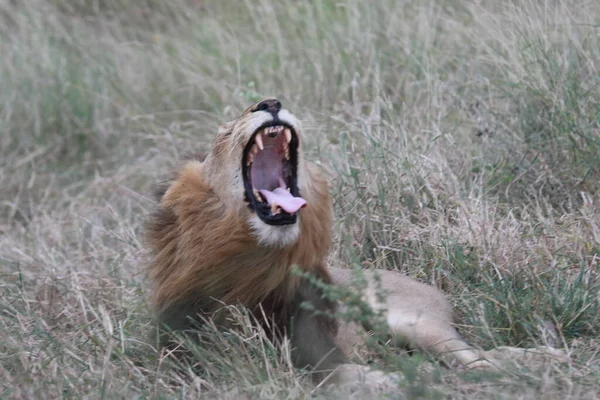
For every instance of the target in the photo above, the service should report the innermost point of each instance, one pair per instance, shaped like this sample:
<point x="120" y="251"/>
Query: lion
<point x="230" y="229"/>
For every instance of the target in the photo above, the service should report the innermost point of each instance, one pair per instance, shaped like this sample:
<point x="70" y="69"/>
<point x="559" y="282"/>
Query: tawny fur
<point x="203" y="246"/>
<point x="207" y="252"/>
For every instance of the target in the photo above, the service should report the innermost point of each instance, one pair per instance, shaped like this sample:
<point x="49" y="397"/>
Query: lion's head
<point x="256" y="167"/>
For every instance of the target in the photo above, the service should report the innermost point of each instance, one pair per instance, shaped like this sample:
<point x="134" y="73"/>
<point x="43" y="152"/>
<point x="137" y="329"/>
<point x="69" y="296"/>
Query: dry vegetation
<point x="462" y="138"/>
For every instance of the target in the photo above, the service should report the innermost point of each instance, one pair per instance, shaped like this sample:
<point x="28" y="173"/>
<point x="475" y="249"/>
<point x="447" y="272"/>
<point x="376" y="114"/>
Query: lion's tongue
<point x="283" y="199"/>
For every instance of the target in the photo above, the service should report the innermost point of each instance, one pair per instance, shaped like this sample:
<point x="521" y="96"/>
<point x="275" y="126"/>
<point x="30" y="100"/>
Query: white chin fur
<point x="274" y="236"/>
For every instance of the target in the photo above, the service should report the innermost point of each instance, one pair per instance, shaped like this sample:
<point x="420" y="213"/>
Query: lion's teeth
<point x="259" y="141"/>
<point x="257" y="195"/>
<point x="286" y="153"/>
<point x="274" y="208"/>
<point x="250" y="159"/>
<point x="288" y="135"/>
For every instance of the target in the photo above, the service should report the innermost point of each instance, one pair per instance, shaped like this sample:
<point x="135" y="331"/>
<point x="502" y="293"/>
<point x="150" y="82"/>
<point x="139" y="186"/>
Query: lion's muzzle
<point x="269" y="165"/>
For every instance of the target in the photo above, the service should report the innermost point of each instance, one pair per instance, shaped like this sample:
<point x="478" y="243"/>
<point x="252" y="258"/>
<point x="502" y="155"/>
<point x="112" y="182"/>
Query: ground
<point x="462" y="142"/>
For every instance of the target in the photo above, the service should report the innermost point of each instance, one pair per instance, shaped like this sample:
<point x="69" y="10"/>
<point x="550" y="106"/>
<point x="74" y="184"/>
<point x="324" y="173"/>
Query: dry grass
<point x="462" y="138"/>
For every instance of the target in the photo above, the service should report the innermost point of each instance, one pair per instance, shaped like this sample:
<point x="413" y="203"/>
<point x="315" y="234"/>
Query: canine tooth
<point x="259" y="141"/>
<point x="274" y="208"/>
<point x="257" y="195"/>
<point x="288" y="135"/>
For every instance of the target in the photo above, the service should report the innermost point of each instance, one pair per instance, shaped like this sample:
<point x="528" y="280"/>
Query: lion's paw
<point x="529" y="356"/>
<point x="358" y="376"/>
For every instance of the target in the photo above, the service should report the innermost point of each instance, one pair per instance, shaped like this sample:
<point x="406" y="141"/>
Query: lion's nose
<point x="270" y="105"/>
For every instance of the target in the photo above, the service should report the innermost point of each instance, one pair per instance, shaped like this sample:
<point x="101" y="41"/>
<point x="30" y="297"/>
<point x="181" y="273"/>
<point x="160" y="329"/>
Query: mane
<point x="199" y="245"/>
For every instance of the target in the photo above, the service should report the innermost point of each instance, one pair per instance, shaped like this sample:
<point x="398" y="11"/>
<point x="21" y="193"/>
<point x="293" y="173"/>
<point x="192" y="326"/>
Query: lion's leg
<point x="312" y="335"/>
<point x="420" y="315"/>
<point x="182" y="324"/>
<point x="433" y="334"/>
<point x="315" y="344"/>
<point x="417" y="314"/>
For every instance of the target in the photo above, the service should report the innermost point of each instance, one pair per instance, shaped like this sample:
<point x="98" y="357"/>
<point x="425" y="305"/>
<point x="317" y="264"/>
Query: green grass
<point x="462" y="142"/>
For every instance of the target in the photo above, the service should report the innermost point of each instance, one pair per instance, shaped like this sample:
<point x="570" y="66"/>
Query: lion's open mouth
<point x="269" y="166"/>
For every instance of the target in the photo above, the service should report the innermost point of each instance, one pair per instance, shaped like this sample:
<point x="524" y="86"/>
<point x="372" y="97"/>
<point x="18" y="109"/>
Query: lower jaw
<point x="279" y="218"/>
<point x="286" y="220"/>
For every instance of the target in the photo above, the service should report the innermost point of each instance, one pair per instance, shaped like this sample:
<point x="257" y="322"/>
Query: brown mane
<point x="205" y="255"/>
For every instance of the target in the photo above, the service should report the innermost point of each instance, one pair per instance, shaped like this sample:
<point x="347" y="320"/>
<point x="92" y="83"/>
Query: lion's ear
<point x="226" y="128"/>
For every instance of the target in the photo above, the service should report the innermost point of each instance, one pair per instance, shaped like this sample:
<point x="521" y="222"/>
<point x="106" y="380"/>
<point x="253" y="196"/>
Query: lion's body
<point x="210" y="249"/>
<point x="207" y="253"/>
